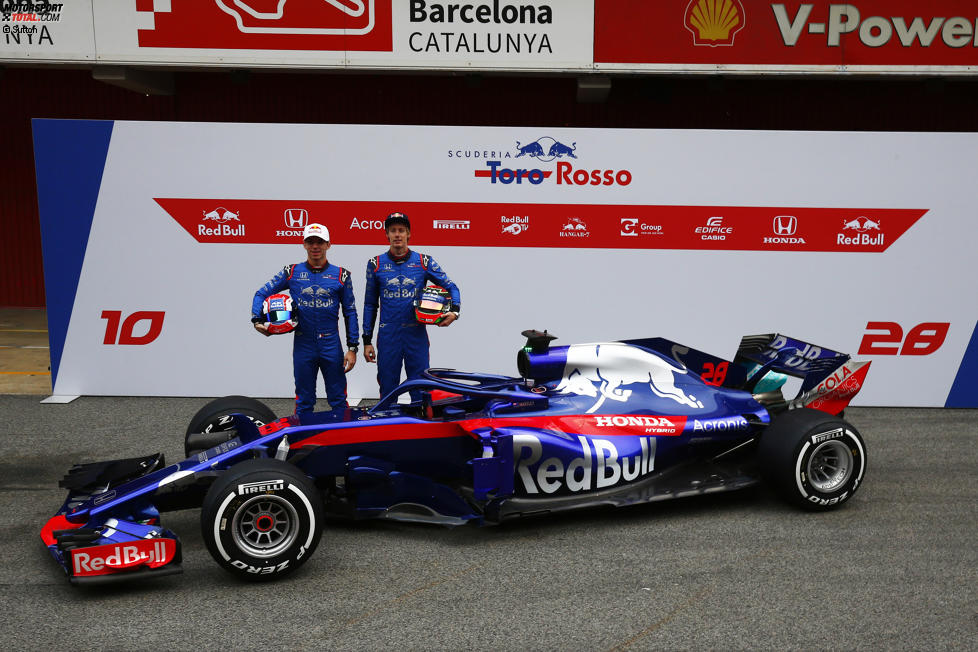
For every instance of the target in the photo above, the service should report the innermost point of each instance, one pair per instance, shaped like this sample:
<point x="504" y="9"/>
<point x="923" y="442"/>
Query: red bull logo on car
<point x="601" y="464"/>
<point x="547" y="149"/>
<point x="607" y="371"/>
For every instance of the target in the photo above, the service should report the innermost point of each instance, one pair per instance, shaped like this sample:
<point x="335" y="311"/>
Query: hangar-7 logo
<point x="326" y="25"/>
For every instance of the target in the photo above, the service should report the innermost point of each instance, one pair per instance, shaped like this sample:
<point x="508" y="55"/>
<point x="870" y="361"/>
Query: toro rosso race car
<point x="610" y="423"/>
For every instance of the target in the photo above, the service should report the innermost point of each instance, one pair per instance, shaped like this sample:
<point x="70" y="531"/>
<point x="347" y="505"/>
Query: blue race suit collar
<point x="399" y="259"/>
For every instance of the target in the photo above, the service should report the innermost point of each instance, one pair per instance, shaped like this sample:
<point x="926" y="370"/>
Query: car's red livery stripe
<point x="605" y="425"/>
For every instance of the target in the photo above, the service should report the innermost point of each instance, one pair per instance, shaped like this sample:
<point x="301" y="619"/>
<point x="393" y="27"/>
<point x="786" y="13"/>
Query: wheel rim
<point x="830" y="466"/>
<point x="264" y="526"/>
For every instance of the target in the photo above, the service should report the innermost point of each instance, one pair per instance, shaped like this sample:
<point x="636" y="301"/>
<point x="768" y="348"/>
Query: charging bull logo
<point x="399" y="287"/>
<point x="221" y="214"/>
<point x="546" y="149"/>
<point x="861" y="225"/>
<point x="604" y="370"/>
<point x="313" y="297"/>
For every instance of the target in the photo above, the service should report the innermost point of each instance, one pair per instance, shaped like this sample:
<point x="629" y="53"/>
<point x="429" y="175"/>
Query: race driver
<point x="319" y="290"/>
<point x="395" y="279"/>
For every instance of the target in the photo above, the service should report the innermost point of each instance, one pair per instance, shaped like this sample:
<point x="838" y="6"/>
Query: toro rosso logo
<point x="547" y="150"/>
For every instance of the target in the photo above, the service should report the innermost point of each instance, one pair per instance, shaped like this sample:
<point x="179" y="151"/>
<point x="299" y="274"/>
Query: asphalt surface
<point x="895" y="569"/>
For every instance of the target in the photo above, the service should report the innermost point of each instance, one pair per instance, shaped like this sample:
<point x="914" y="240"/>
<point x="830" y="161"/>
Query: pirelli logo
<point x="260" y="487"/>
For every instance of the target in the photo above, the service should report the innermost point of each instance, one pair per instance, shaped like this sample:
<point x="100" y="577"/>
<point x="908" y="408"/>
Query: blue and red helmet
<point x="434" y="303"/>
<point x="279" y="315"/>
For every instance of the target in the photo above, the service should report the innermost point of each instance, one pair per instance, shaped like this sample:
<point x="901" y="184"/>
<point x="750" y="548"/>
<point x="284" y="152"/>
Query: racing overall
<point x="317" y="296"/>
<point x="395" y="284"/>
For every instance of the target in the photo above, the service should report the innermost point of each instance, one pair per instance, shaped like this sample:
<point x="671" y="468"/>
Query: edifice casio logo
<point x="714" y="229"/>
<point x="714" y="22"/>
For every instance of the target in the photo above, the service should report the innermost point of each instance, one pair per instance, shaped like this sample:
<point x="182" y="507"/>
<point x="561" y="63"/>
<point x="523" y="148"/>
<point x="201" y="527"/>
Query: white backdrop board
<point x="156" y="236"/>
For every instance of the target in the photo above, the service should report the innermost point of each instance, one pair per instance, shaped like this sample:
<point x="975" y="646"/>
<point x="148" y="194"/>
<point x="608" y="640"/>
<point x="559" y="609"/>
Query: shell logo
<point x="714" y="22"/>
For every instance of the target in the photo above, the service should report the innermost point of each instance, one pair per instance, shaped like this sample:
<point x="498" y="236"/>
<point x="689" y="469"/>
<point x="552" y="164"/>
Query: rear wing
<point x="829" y="378"/>
<point x="782" y="354"/>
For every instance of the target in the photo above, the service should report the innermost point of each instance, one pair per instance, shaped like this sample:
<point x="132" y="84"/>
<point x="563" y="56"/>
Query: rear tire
<point x="215" y="419"/>
<point x="262" y="519"/>
<point x="814" y="460"/>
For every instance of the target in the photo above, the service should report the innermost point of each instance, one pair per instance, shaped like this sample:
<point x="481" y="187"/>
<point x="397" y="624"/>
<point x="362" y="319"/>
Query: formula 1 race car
<point x="611" y="423"/>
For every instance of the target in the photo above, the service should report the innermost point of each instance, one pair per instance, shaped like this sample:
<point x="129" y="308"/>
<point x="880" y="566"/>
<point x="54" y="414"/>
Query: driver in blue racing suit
<point x="319" y="290"/>
<point x="394" y="280"/>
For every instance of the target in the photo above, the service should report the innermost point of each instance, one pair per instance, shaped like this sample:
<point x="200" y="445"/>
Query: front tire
<point x="815" y="460"/>
<point x="212" y="424"/>
<point x="262" y="519"/>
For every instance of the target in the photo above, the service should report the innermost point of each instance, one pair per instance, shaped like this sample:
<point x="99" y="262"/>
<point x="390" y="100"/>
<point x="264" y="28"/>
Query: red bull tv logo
<point x="714" y="22"/>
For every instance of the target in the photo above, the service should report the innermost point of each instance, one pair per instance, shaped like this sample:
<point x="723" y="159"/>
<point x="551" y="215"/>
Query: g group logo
<point x="715" y="229"/>
<point x="633" y="227"/>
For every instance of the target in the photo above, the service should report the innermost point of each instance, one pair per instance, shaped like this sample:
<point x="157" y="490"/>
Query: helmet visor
<point x="277" y="316"/>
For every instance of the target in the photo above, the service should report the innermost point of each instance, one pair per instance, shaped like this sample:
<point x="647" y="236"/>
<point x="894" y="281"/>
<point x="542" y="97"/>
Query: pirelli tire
<point x="212" y="424"/>
<point x="262" y="519"/>
<point x="813" y="459"/>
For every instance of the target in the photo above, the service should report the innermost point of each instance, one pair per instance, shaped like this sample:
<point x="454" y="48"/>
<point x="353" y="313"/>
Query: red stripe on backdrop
<point x="711" y="228"/>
